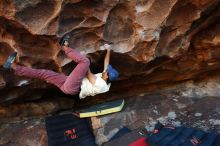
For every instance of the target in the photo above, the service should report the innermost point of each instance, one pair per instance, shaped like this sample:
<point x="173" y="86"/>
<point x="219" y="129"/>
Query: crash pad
<point x="101" y="109"/>
<point x="69" y="130"/>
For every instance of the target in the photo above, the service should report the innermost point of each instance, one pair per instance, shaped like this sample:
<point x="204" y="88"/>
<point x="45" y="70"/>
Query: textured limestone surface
<point x="167" y="53"/>
<point x="155" y="44"/>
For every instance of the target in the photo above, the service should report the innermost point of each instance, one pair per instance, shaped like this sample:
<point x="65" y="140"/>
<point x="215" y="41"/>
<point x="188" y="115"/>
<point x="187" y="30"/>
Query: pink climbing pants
<point x="68" y="84"/>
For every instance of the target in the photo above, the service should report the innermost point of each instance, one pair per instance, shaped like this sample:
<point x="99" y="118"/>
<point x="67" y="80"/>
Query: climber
<point x="80" y="81"/>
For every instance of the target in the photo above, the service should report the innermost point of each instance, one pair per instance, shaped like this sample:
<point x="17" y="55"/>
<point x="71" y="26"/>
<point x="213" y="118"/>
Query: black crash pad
<point x="69" y="130"/>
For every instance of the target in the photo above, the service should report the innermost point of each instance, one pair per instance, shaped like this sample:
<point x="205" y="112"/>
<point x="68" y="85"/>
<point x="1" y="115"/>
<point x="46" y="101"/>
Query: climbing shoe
<point x="10" y="60"/>
<point x="64" y="39"/>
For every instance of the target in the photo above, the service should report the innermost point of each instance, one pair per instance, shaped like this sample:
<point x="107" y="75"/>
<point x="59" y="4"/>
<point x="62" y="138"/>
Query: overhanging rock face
<point x="154" y="41"/>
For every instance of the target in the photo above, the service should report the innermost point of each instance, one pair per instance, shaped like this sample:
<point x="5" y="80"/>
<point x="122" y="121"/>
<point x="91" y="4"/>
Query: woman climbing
<point x="81" y="80"/>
